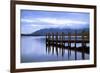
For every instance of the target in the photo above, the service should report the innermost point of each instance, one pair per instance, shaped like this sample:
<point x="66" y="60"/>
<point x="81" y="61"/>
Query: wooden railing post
<point x="75" y="45"/>
<point x="49" y="42"/>
<point x="46" y="42"/>
<point x="62" y="44"/>
<point x="83" y="46"/>
<point x="52" y="43"/>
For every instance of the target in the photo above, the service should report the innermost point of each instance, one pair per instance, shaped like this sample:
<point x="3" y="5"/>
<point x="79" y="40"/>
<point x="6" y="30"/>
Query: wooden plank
<point x="72" y="41"/>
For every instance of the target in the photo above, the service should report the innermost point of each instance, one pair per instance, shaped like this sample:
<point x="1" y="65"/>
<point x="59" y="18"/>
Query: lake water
<point x="33" y="49"/>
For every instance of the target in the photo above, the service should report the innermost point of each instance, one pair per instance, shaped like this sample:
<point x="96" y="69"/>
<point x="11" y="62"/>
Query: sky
<point x="33" y="20"/>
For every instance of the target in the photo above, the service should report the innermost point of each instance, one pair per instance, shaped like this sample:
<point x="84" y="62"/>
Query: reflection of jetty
<point x="59" y="41"/>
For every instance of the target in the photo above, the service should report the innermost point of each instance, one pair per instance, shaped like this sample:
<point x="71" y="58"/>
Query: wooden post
<point x="83" y="44"/>
<point x="85" y="40"/>
<point x="48" y="39"/>
<point x="56" y="40"/>
<point x="52" y="43"/>
<point x="56" y="43"/>
<point x="68" y="39"/>
<point x="46" y="42"/>
<point x="64" y="39"/>
<point x="75" y="45"/>
<point x="49" y="43"/>
<point x="60" y="38"/>
<point x="62" y="44"/>
<point x="68" y="45"/>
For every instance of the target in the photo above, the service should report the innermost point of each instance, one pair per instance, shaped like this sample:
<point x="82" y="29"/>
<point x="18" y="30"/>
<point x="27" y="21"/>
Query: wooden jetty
<point x="59" y="40"/>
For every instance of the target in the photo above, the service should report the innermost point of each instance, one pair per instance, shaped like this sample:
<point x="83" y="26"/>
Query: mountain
<point x="43" y="32"/>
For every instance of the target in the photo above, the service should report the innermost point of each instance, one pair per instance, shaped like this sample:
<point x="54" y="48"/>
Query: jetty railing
<point x="59" y="40"/>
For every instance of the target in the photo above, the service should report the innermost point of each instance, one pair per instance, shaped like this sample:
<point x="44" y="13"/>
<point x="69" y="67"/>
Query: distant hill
<point x="42" y="32"/>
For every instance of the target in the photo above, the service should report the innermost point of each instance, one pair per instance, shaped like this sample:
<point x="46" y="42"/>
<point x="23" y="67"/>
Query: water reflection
<point x="35" y="49"/>
<point x="58" y="50"/>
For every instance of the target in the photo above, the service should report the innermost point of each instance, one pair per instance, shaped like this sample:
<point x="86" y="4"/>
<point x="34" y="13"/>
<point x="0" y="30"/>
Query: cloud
<point x="54" y="21"/>
<point x="24" y="20"/>
<point x="34" y="24"/>
<point x="61" y="21"/>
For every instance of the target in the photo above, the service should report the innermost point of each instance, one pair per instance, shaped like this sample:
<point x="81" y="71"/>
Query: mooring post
<point x="75" y="45"/>
<point x="56" y="40"/>
<point x="48" y="39"/>
<point x="46" y="42"/>
<point x="48" y="45"/>
<point x="62" y="36"/>
<point x="49" y="42"/>
<point x="52" y="42"/>
<point x="64" y="39"/>
<point x="62" y="44"/>
<point x="70" y="43"/>
<point x="56" y="43"/>
<point x="83" y="46"/>
<point x="68" y="39"/>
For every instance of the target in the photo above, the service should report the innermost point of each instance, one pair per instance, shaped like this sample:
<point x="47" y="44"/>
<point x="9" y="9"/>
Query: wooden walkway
<point x="60" y="40"/>
<point x="66" y="41"/>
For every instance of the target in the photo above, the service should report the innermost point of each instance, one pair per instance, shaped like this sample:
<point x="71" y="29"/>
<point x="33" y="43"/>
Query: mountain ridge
<point x="43" y="32"/>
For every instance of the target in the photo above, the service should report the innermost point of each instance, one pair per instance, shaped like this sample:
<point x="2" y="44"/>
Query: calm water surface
<point x="33" y="49"/>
